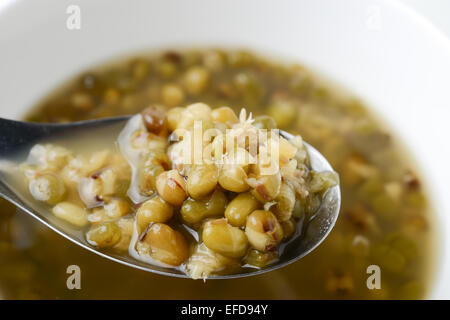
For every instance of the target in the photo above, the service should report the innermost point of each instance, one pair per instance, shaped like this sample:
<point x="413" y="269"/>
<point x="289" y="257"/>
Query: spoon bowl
<point x="16" y="137"/>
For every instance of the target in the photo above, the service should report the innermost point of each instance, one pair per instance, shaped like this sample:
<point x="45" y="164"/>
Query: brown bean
<point x="154" y="119"/>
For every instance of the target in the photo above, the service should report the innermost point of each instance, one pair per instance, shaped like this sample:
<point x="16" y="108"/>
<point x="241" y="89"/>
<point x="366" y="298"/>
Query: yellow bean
<point x="172" y="95"/>
<point x="147" y="178"/>
<point x="173" y="117"/>
<point x="117" y="208"/>
<point x="261" y="259"/>
<point x="267" y="187"/>
<point x="263" y="230"/>
<point x="48" y="187"/>
<point x="233" y="178"/>
<point x="224" y="115"/>
<point x="322" y="181"/>
<point x="171" y="187"/>
<point x="225" y="239"/>
<point x="202" y="180"/>
<point x="285" y="203"/>
<point x="196" y="80"/>
<point x="194" y="112"/>
<point x="112" y="184"/>
<point x="240" y="207"/>
<point x="286" y="150"/>
<point x="126" y="226"/>
<point x="50" y="157"/>
<point x="166" y="245"/>
<point x="194" y="211"/>
<point x="153" y="210"/>
<point x="214" y="60"/>
<point x="283" y="112"/>
<point x="71" y="213"/>
<point x="265" y="122"/>
<point x="155" y="163"/>
<point x="103" y="235"/>
<point x="203" y="262"/>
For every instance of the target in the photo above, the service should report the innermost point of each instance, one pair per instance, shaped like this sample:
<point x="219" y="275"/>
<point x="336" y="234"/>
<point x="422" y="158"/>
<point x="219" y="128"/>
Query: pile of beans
<point x="239" y="213"/>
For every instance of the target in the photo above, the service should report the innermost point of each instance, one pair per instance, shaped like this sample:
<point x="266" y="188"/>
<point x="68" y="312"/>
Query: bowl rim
<point x="436" y="200"/>
<point x="438" y="267"/>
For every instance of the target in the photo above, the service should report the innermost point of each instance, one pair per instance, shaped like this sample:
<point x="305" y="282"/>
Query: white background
<point x="402" y="68"/>
<point x="437" y="11"/>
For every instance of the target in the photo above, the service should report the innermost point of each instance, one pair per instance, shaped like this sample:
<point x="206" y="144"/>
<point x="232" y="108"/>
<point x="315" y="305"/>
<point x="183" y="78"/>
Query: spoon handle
<point x="16" y="134"/>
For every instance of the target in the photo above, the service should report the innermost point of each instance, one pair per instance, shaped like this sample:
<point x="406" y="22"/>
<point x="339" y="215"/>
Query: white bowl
<point x="381" y="50"/>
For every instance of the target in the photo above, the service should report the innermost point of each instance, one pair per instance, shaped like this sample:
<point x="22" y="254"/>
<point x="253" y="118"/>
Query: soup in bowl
<point x="388" y="214"/>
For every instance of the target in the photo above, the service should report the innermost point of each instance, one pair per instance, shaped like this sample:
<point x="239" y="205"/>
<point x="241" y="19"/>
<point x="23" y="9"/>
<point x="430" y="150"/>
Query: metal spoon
<point x="17" y="137"/>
